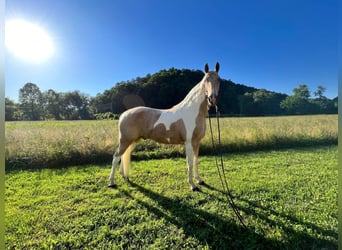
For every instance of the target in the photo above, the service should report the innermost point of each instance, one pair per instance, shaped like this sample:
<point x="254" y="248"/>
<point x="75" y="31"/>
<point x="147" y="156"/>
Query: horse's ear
<point x="206" y="68"/>
<point x="217" y="67"/>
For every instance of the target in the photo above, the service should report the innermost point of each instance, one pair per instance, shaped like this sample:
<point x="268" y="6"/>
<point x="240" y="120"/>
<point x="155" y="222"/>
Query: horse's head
<point x="211" y="84"/>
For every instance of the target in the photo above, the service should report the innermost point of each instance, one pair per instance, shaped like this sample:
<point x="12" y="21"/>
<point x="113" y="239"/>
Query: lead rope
<point x="221" y="171"/>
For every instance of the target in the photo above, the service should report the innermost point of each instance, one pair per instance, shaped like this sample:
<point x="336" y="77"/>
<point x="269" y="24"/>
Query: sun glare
<point x="28" y="41"/>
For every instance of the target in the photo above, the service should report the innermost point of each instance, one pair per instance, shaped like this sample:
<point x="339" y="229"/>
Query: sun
<point x="28" y="41"/>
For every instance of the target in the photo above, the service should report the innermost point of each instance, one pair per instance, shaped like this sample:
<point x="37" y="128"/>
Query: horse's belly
<point x="170" y="140"/>
<point x="173" y="135"/>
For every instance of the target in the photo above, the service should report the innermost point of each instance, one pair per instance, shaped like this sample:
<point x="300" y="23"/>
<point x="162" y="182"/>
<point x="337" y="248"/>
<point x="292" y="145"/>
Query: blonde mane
<point x="195" y="93"/>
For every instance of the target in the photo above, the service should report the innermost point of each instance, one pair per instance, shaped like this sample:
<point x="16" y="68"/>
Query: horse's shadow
<point x="222" y="233"/>
<point x="208" y="228"/>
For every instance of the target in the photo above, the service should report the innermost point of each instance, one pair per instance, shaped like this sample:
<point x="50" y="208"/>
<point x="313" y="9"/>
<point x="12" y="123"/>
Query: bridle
<point x="210" y="98"/>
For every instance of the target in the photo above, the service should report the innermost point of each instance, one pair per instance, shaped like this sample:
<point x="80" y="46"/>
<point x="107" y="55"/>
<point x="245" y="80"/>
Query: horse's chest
<point x="199" y="130"/>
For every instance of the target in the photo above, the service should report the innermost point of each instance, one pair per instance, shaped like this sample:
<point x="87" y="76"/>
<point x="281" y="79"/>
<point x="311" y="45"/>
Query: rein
<point x="220" y="167"/>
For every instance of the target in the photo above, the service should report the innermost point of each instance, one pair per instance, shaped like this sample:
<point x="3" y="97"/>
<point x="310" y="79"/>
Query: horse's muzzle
<point x="212" y="100"/>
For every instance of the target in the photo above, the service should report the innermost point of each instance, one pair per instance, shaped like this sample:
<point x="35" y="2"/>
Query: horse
<point x="184" y="123"/>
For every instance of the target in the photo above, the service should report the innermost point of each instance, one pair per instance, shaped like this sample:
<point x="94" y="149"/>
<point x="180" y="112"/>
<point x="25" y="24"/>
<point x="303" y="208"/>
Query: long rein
<point x="220" y="167"/>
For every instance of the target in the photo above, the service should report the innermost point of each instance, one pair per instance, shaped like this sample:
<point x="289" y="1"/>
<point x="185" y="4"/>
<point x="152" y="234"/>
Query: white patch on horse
<point x="187" y="113"/>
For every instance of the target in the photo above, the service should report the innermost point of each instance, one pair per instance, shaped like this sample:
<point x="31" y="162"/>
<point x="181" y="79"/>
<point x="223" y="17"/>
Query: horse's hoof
<point x="196" y="189"/>
<point x="112" y="186"/>
<point x="202" y="183"/>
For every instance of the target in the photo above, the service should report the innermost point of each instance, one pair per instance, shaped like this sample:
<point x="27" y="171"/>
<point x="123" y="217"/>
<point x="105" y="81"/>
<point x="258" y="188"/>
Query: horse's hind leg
<point x="116" y="158"/>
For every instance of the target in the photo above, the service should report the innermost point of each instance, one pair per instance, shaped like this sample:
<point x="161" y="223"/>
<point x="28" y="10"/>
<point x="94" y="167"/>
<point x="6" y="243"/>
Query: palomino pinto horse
<point x="182" y="124"/>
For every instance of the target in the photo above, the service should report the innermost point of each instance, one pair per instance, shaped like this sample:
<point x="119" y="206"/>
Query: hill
<point x="162" y="90"/>
<point x="168" y="87"/>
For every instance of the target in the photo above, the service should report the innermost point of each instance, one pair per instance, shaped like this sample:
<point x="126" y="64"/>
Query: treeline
<point x="35" y="105"/>
<point x="162" y="90"/>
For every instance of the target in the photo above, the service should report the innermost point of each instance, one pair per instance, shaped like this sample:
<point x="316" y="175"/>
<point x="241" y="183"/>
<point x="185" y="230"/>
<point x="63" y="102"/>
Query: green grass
<point x="287" y="197"/>
<point x="282" y="172"/>
<point x="65" y="143"/>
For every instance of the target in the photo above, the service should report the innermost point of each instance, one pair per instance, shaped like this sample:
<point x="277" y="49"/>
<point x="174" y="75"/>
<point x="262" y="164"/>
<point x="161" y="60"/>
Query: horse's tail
<point x="126" y="160"/>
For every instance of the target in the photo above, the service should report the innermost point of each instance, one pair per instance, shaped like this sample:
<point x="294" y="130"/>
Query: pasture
<point x="282" y="172"/>
<point x="62" y="143"/>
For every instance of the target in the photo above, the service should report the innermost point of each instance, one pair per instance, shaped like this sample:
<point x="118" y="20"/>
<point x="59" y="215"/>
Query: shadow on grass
<point x="209" y="229"/>
<point x="273" y="144"/>
<point x="73" y="159"/>
<point x="221" y="233"/>
<point x="295" y="239"/>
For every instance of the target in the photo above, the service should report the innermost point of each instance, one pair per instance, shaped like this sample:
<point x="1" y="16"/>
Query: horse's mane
<point x="191" y="96"/>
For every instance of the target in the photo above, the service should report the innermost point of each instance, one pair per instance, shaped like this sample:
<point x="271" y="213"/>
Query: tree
<point x="320" y="92"/>
<point x="11" y="110"/>
<point x="301" y="103"/>
<point x="298" y="103"/>
<point x="228" y="102"/>
<point x="321" y="103"/>
<point x="30" y="99"/>
<point x="335" y="105"/>
<point x="260" y="102"/>
<point x="76" y="106"/>
<point x="302" y="92"/>
<point x="53" y="104"/>
<point x="247" y="106"/>
<point x="266" y="102"/>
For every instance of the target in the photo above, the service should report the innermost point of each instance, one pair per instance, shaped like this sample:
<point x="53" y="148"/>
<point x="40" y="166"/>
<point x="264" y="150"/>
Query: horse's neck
<point x="196" y="95"/>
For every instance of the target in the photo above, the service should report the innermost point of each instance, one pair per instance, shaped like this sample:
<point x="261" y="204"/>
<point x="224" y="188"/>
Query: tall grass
<point x="56" y="143"/>
<point x="243" y="134"/>
<point x="59" y="142"/>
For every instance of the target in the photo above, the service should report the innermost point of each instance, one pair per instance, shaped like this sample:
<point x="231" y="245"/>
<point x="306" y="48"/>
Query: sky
<point x="273" y="45"/>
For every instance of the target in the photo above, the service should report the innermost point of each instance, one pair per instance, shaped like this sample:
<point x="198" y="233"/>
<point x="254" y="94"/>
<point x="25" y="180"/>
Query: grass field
<point x="285" y="189"/>
<point x="63" y="143"/>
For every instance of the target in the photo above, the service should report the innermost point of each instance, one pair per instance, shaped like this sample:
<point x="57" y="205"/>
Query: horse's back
<point x="136" y="123"/>
<point x="160" y="125"/>
<point x="141" y="113"/>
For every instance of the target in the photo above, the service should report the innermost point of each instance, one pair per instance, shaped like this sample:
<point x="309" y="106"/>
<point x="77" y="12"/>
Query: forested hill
<point x="168" y="87"/>
<point x="162" y="90"/>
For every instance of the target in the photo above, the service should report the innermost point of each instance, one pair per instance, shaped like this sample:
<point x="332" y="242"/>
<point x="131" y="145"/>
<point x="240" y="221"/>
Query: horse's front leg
<point x="190" y="162"/>
<point x="195" y="163"/>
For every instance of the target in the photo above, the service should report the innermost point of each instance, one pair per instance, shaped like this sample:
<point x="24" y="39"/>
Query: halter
<point x="214" y="93"/>
<point x="208" y="98"/>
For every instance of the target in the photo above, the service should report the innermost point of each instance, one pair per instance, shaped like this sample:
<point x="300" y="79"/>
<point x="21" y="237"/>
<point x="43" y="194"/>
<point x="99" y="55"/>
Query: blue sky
<point x="275" y="45"/>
